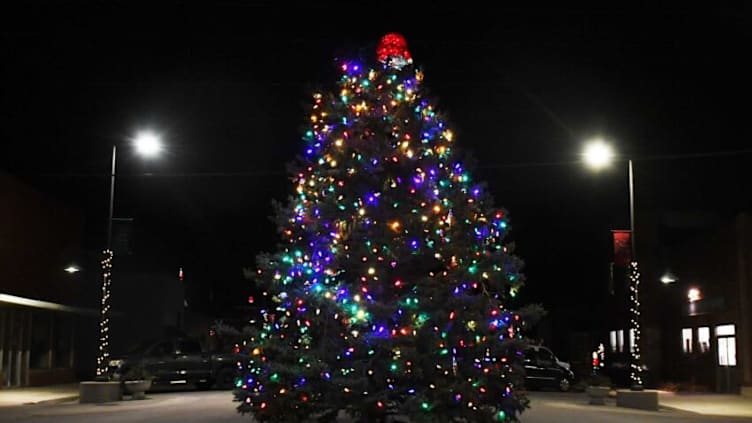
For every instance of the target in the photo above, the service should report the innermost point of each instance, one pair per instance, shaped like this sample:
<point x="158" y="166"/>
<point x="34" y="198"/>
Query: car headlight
<point x="116" y="363"/>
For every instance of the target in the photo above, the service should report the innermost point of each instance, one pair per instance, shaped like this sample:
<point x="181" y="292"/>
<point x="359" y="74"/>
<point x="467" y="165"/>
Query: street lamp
<point x="72" y="269"/>
<point x="147" y="144"/>
<point x="694" y="295"/>
<point x="598" y="155"/>
<point x="668" y="278"/>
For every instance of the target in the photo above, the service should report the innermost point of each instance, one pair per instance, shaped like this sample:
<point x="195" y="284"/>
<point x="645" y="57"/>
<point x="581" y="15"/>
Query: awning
<point x="46" y="305"/>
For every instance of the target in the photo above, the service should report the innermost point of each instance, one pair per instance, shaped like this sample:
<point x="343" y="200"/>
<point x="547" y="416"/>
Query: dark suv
<point x="177" y="361"/>
<point x="544" y="370"/>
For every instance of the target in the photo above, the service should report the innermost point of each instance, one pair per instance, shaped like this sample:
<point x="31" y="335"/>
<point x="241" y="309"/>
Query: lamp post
<point x="599" y="155"/>
<point x="147" y="144"/>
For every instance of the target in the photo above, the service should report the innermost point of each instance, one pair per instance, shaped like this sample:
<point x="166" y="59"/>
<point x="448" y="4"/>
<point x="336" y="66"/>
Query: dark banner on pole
<point x="622" y="247"/>
<point x="122" y="236"/>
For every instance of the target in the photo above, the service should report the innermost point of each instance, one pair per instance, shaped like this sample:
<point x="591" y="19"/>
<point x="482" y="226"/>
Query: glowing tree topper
<point x="392" y="284"/>
<point x="393" y="52"/>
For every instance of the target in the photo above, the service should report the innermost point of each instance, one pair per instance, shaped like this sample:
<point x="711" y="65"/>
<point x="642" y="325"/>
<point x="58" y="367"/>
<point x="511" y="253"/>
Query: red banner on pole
<point x="622" y="247"/>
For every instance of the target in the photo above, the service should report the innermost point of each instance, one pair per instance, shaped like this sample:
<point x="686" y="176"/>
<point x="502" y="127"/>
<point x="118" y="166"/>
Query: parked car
<point x="544" y="370"/>
<point x="177" y="361"/>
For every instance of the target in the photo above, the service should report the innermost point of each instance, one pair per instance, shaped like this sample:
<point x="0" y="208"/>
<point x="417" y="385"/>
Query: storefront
<point x="38" y="341"/>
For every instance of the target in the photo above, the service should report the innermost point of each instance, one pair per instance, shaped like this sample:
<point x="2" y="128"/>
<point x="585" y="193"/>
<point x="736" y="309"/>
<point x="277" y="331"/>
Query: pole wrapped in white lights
<point x="598" y="155"/>
<point x="104" y="318"/>
<point x="147" y="144"/>
<point x="635" y="371"/>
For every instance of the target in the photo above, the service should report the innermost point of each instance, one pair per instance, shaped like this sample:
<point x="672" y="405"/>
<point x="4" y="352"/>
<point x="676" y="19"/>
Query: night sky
<point x="227" y="85"/>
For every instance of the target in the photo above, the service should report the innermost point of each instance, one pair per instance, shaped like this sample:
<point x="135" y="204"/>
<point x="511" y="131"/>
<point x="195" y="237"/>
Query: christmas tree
<point x="392" y="284"/>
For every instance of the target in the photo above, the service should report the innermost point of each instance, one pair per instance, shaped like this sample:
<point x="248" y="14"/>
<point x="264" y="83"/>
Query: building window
<point x="703" y="338"/>
<point x="612" y="339"/>
<point x="727" y="351"/>
<point x="620" y="340"/>
<point x="726" y="345"/>
<point x="632" y="340"/>
<point x="725" y="330"/>
<point x="687" y="340"/>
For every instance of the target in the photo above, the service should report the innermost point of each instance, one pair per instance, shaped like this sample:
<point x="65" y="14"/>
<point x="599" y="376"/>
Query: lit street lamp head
<point x="668" y="278"/>
<point x="147" y="143"/>
<point x="598" y="154"/>
<point x="694" y="294"/>
<point x="72" y="269"/>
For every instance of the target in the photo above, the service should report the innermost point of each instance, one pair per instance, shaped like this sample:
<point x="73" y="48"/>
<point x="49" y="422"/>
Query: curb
<point x="681" y="410"/>
<point x="53" y="400"/>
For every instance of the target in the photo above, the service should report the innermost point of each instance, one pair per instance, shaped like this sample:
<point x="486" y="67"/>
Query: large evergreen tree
<point x="392" y="283"/>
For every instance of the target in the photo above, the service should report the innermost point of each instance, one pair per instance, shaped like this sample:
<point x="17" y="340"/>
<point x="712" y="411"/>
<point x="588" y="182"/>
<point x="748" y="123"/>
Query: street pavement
<point x="573" y="407"/>
<point x="217" y="406"/>
<point x="709" y="404"/>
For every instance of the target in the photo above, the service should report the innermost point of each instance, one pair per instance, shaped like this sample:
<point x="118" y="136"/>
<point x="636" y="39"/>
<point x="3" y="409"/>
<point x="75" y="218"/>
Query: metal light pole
<point x="635" y="371"/>
<point x="631" y="209"/>
<point x="147" y="144"/>
<point x="599" y="155"/>
<point x="112" y="197"/>
<point x="104" y="315"/>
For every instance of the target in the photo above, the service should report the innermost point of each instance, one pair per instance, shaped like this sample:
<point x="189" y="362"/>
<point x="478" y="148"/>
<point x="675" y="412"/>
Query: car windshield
<point x="545" y="354"/>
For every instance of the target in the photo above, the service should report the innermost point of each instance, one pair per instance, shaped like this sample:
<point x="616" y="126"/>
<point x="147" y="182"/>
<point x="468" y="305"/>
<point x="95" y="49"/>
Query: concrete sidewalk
<point x="707" y="403"/>
<point x="38" y="395"/>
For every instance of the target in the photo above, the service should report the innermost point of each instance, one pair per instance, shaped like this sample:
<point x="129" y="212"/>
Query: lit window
<point x="726" y="344"/>
<point x="620" y="340"/>
<point x="703" y="338"/>
<point x="612" y="338"/>
<point x="727" y="351"/>
<point x="725" y="330"/>
<point x="687" y="340"/>
<point x="632" y="342"/>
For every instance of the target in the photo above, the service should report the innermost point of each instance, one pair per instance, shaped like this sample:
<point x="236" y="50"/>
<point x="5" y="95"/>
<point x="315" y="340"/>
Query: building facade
<point x="709" y="263"/>
<point x="42" y="308"/>
<point x="696" y="275"/>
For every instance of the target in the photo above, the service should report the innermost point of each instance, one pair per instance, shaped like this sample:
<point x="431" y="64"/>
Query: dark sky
<point x="226" y="83"/>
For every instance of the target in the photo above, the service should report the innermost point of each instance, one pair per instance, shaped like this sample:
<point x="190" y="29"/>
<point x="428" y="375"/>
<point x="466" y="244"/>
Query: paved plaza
<point x="58" y="405"/>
